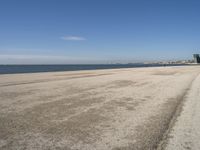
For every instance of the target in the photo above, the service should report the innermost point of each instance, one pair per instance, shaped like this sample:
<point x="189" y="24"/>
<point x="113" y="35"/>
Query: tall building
<point x="196" y="58"/>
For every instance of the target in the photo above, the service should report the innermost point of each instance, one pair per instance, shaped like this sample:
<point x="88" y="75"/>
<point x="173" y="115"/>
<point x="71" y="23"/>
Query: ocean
<point x="11" y="69"/>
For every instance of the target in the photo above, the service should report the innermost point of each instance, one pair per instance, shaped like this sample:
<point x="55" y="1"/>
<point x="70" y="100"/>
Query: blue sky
<point x="98" y="31"/>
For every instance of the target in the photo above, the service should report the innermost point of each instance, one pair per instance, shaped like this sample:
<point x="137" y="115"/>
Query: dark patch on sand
<point x="165" y="73"/>
<point x="52" y="80"/>
<point x="121" y="84"/>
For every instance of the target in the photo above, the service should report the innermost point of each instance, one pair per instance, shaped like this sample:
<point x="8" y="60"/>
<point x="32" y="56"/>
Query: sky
<point x="98" y="31"/>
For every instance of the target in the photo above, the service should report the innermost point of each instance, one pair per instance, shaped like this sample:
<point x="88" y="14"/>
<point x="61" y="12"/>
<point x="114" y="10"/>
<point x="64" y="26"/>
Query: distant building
<point x="196" y="58"/>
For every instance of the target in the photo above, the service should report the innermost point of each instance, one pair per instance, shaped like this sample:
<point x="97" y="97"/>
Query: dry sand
<point x="185" y="134"/>
<point x="91" y="110"/>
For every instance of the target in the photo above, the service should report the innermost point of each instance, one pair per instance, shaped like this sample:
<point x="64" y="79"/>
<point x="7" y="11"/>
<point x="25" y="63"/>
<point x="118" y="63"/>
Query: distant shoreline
<point x="14" y="69"/>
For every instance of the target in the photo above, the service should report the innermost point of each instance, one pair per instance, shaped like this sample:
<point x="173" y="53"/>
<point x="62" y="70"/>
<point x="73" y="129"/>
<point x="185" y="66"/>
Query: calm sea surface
<point x="10" y="69"/>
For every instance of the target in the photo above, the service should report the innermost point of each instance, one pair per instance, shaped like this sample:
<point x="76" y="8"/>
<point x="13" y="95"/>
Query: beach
<point x="113" y="109"/>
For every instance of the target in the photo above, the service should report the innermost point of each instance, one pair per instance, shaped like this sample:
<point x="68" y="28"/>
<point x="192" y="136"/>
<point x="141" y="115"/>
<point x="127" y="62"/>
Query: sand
<point x="185" y="133"/>
<point x="92" y="110"/>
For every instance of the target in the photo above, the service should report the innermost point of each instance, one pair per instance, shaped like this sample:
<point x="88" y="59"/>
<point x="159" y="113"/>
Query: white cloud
<point x="73" y="38"/>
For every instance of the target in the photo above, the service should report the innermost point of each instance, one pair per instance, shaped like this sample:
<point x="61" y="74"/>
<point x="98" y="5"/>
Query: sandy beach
<point x="115" y="109"/>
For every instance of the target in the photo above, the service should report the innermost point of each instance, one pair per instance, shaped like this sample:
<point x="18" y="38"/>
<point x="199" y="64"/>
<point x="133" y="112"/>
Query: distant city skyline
<point x="91" y="31"/>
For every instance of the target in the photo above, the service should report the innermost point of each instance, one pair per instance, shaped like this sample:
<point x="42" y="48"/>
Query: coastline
<point x="15" y="69"/>
<point x="98" y="109"/>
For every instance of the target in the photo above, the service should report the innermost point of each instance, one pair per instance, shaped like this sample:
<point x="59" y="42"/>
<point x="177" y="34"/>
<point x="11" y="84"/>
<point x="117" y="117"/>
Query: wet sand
<point x="91" y="110"/>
